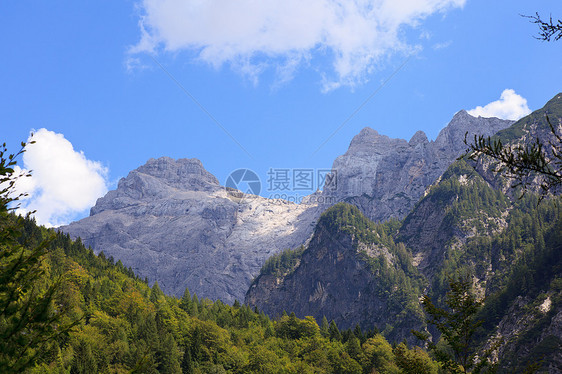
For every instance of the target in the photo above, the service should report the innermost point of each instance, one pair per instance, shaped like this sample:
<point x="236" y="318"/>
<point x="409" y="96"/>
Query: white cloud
<point x="438" y="46"/>
<point x="355" y="34"/>
<point x="63" y="182"/>
<point x="510" y="106"/>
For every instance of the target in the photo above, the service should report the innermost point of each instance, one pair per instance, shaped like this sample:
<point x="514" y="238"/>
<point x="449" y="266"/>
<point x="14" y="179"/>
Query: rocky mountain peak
<point x="158" y="179"/>
<point x="369" y="139"/>
<point x="385" y="177"/>
<point x="461" y="114"/>
<point x="451" y="139"/>
<point x="366" y="134"/>
<point x="181" y="173"/>
<point x="418" y="138"/>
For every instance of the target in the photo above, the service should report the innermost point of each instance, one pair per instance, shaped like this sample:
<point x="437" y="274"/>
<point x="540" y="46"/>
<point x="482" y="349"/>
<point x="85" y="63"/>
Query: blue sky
<point x="280" y="78"/>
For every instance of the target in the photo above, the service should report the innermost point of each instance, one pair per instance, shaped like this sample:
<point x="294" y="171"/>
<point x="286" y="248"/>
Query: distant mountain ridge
<point x="385" y="177"/>
<point x="171" y="220"/>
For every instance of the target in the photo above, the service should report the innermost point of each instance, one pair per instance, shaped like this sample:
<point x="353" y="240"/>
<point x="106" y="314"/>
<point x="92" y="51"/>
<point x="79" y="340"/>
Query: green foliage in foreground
<point x="125" y="326"/>
<point x="457" y="324"/>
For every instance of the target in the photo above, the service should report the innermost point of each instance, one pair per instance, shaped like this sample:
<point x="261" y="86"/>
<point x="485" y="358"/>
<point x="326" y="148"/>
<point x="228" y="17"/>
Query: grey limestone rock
<point x="171" y="221"/>
<point x="385" y="177"/>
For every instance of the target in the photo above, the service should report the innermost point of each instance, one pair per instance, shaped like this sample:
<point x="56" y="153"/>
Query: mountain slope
<point x="123" y="326"/>
<point x="351" y="273"/>
<point x="171" y="221"/>
<point x="461" y="207"/>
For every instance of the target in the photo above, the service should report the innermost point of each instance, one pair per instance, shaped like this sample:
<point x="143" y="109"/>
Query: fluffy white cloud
<point x="63" y="181"/>
<point x="509" y="106"/>
<point x="248" y="34"/>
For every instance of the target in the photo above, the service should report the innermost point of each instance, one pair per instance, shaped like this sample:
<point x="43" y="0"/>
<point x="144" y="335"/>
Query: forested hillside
<point x="512" y="256"/>
<point x="121" y="325"/>
<point x="352" y="272"/>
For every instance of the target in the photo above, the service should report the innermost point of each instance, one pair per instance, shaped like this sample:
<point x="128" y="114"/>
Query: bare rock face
<point x="171" y="221"/>
<point x="385" y="177"/>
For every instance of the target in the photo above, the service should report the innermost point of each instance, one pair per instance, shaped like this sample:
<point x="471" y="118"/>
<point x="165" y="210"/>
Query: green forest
<point x="83" y="313"/>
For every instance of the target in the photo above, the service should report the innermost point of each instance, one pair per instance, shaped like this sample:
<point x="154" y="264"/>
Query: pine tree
<point x="196" y="342"/>
<point x="29" y="320"/>
<point x="353" y="347"/>
<point x="186" y="363"/>
<point x="334" y="332"/>
<point x="359" y="334"/>
<point x="185" y="302"/>
<point x="168" y="356"/>
<point x="84" y="360"/>
<point x="194" y="306"/>
<point x="457" y="325"/>
<point x="156" y="293"/>
<point x="324" y="327"/>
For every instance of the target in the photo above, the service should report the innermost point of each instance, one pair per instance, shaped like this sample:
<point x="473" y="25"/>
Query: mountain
<point x="459" y="208"/>
<point x="385" y="177"/>
<point x="352" y="273"/>
<point x="171" y="221"/>
<point x="512" y="250"/>
<point x="470" y="221"/>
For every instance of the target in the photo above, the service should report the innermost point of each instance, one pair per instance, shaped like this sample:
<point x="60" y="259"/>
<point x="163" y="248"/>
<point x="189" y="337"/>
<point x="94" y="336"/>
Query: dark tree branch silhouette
<point x="539" y="162"/>
<point x="548" y="29"/>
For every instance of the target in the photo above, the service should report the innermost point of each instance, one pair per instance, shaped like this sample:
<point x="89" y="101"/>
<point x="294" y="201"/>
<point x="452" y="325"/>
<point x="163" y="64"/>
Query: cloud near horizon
<point x="63" y="182"/>
<point x="252" y="36"/>
<point x="510" y="106"/>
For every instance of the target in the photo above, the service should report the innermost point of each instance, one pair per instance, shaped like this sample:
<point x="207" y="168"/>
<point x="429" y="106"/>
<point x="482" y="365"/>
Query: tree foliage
<point x="9" y="177"/>
<point x="30" y="318"/>
<point x="539" y="162"/>
<point x="282" y="263"/>
<point x="457" y="324"/>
